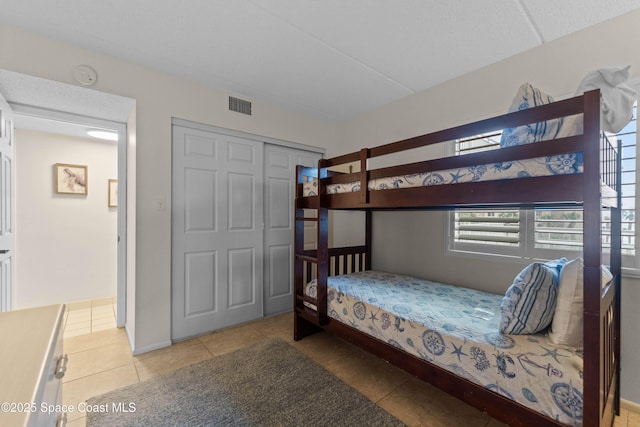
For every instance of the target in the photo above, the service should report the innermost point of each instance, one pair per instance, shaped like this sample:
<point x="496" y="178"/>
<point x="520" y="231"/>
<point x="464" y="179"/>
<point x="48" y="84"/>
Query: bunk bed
<point x="326" y="278"/>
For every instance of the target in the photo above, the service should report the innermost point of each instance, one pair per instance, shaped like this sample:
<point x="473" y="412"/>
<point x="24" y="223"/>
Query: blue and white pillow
<point x="556" y="266"/>
<point x="530" y="302"/>
<point x="527" y="97"/>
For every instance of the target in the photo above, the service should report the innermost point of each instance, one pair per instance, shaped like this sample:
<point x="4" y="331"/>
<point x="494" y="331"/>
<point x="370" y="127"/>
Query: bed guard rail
<point x="339" y="169"/>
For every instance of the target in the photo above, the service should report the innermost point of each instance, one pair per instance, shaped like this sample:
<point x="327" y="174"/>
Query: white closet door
<point x="6" y="206"/>
<point x="280" y="180"/>
<point x="217" y="231"/>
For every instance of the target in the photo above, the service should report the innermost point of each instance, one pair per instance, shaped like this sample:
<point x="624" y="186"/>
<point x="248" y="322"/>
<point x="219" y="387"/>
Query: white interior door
<point x="6" y="205"/>
<point x="217" y="231"/>
<point x="280" y="180"/>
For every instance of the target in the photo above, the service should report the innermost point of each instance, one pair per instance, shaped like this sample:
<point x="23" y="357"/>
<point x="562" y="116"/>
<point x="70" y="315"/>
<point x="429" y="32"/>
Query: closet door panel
<point x="217" y="235"/>
<point x="242" y="277"/>
<point x="241" y="210"/>
<point x="280" y="165"/>
<point x="200" y="196"/>
<point x="280" y="278"/>
<point x="280" y="203"/>
<point x="200" y="283"/>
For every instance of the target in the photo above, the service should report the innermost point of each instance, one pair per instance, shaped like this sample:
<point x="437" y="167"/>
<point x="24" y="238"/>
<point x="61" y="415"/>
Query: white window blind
<point x="499" y="230"/>
<point x="489" y="227"/>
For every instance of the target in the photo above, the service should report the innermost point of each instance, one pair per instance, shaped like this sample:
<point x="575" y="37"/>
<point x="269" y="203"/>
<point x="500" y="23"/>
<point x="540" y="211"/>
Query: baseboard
<point x="629" y="405"/>
<point x="129" y="337"/>
<point x="137" y="351"/>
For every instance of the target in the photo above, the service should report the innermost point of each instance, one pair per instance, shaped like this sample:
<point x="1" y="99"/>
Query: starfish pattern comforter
<point x="570" y="163"/>
<point x="457" y="329"/>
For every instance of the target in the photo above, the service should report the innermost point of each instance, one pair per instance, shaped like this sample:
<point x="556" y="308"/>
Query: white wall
<point x="413" y="242"/>
<point x="159" y="97"/>
<point x="65" y="244"/>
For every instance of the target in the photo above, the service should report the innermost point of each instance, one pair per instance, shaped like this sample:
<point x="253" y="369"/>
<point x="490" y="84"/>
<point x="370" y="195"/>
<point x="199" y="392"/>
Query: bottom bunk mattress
<point x="457" y="329"/>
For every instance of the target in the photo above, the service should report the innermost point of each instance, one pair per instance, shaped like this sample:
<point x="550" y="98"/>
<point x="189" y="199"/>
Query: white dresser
<point x="33" y="366"/>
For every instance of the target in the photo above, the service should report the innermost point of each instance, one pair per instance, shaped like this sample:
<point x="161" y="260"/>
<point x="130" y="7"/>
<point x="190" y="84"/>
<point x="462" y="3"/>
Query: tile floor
<point x="101" y="361"/>
<point x="85" y="317"/>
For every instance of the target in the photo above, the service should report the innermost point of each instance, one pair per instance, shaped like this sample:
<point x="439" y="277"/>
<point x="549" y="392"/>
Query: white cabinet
<point x="33" y="367"/>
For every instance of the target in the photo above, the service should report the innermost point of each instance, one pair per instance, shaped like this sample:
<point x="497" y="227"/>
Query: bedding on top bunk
<point x="570" y="163"/>
<point x="526" y="97"/>
<point x="458" y="329"/>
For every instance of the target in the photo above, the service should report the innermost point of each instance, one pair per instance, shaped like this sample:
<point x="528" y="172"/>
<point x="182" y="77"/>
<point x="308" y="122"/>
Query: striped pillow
<point x="528" y="305"/>
<point x="527" y="97"/>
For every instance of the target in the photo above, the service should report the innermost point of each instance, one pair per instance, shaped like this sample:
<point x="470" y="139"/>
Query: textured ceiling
<point x="330" y="58"/>
<point x="82" y="105"/>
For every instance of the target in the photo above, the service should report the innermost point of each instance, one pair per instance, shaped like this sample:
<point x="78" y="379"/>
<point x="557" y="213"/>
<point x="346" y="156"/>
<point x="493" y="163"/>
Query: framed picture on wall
<point x="71" y="179"/>
<point x="113" y="193"/>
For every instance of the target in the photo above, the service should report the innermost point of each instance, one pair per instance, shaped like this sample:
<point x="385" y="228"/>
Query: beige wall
<point x="414" y="242"/>
<point x="159" y="97"/>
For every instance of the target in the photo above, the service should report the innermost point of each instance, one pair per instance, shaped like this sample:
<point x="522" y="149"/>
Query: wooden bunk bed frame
<point x="597" y="187"/>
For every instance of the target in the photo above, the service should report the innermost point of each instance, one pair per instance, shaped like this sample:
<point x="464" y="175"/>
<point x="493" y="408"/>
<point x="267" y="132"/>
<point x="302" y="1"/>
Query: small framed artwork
<point x="113" y="193"/>
<point x="71" y="179"/>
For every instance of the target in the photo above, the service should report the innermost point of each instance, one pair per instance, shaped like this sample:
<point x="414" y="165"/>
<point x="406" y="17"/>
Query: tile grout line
<point x="100" y="372"/>
<point x="377" y="402"/>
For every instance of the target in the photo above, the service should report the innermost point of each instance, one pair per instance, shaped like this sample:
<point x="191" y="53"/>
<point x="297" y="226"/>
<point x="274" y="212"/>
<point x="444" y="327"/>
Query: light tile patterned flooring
<point x="101" y="361"/>
<point x="86" y="317"/>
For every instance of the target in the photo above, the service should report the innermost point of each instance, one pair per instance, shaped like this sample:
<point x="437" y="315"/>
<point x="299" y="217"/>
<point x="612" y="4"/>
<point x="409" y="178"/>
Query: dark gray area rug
<point x="267" y="384"/>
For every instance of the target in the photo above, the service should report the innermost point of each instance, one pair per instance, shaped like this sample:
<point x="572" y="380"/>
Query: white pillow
<point x="566" y="327"/>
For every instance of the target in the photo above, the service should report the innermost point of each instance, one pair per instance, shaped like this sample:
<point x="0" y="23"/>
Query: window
<point x="542" y="233"/>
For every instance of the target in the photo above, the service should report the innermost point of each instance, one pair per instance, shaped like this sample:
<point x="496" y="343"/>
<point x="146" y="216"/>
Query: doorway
<point x="68" y="231"/>
<point x="42" y="101"/>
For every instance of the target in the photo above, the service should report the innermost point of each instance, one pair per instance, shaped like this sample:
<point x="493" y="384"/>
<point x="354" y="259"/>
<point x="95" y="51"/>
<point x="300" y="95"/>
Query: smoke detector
<point x="85" y="75"/>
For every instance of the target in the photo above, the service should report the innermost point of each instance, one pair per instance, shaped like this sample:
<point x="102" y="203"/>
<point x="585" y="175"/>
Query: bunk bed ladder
<point x="312" y="263"/>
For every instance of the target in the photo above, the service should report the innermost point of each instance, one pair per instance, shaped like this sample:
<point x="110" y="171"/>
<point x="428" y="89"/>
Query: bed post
<point x="322" y="244"/>
<point x="364" y="199"/>
<point x="368" y="238"/>
<point x="592" y="259"/>
<point x="599" y="321"/>
<point x="298" y="263"/>
<point x="364" y="177"/>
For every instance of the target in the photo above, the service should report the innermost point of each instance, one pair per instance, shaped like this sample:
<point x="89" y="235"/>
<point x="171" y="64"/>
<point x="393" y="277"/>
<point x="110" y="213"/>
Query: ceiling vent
<point x="239" y="106"/>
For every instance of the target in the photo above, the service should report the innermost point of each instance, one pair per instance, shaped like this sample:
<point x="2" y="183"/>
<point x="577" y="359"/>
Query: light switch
<point x="161" y="204"/>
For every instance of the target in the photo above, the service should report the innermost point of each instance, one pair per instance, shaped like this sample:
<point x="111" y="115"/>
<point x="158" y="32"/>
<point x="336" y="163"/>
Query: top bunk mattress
<point x="457" y="329"/>
<point x="564" y="164"/>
